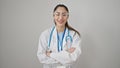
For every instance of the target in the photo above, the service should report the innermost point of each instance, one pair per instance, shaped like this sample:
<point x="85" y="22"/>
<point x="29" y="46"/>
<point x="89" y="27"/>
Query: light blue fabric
<point x="60" y="40"/>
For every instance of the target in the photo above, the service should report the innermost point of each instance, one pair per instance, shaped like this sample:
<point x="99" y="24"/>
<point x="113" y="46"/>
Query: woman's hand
<point x="48" y="53"/>
<point x="71" y="50"/>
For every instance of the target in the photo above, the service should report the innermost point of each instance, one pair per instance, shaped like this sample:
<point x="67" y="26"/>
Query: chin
<point x="61" y="24"/>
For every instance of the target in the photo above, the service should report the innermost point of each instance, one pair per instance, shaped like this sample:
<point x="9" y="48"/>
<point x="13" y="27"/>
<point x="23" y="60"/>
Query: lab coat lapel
<point x="64" y="40"/>
<point x="54" y="40"/>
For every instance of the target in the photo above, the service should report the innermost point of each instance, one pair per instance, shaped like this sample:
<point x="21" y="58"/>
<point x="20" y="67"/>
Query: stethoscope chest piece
<point x="68" y="38"/>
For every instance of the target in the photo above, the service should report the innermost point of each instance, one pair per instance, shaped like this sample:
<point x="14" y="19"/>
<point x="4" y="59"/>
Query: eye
<point x="57" y="14"/>
<point x="64" y="14"/>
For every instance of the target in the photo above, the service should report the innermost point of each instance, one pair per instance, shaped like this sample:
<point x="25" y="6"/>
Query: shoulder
<point x="46" y="32"/>
<point x="75" y="34"/>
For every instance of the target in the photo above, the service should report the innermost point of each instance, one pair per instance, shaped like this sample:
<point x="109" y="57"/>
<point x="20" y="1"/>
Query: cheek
<point x="55" y="18"/>
<point x="65" y="19"/>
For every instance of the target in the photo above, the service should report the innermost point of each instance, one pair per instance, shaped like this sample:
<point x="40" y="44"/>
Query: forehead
<point x="61" y="9"/>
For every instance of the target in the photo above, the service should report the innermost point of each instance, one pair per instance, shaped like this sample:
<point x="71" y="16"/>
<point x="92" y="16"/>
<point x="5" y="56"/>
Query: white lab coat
<point x="63" y="57"/>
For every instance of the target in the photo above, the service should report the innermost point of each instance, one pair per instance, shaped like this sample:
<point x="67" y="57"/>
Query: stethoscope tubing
<point x="66" y="39"/>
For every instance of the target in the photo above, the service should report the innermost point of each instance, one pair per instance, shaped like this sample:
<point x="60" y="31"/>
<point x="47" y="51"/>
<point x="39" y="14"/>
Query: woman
<point x="59" y="46"/>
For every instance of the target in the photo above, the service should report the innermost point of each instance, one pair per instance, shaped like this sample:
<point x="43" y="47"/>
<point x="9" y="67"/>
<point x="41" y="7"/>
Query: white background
<point x="22" y="21"/>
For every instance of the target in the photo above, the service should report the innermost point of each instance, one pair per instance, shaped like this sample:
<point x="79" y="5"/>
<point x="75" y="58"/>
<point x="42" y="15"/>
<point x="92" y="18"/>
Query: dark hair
<point x="66" y="25"/>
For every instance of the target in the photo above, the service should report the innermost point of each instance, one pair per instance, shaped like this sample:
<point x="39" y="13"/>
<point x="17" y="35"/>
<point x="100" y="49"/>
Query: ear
<point x="67" y="16"/>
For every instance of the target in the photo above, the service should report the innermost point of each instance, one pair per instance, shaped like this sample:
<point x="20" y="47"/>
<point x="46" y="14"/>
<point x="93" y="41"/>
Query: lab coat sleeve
<point x="41" y="53"/>
<point x="65" y="57"/>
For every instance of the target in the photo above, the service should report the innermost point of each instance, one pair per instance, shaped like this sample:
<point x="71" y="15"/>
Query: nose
<point x="60" y="17"/>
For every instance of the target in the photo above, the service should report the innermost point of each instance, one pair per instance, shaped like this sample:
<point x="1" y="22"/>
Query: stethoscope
<point x="68" y="38"/>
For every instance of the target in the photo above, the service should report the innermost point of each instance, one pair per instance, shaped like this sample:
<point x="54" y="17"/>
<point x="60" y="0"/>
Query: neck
<point x="60" y="28"/>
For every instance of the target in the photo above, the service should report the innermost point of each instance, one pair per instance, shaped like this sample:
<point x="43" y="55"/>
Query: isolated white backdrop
<point x="22" y="21"/>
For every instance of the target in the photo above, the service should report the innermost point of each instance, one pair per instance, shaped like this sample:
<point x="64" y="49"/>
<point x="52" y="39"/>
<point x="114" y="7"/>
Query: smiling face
<point x="60" y="16"/>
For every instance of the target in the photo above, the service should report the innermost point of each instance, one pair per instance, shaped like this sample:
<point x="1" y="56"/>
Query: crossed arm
<point x="71" y="50"/>
<point x="65" y="56"/>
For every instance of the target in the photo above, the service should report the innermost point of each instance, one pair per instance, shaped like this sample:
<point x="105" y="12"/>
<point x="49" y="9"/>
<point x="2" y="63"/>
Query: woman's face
<point x="60" y="16"/>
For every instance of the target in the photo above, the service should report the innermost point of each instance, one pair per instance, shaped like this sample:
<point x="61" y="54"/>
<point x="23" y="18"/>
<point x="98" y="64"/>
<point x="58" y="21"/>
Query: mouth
<point x="60" y="22"/>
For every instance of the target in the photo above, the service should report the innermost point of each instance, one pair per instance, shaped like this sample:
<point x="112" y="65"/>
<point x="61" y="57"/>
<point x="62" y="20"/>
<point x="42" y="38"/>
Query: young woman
<point x="59" y="46"/>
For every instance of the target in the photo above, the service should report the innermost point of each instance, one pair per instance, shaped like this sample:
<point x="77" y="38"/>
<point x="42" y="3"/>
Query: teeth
<point x="60" y="21"/>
